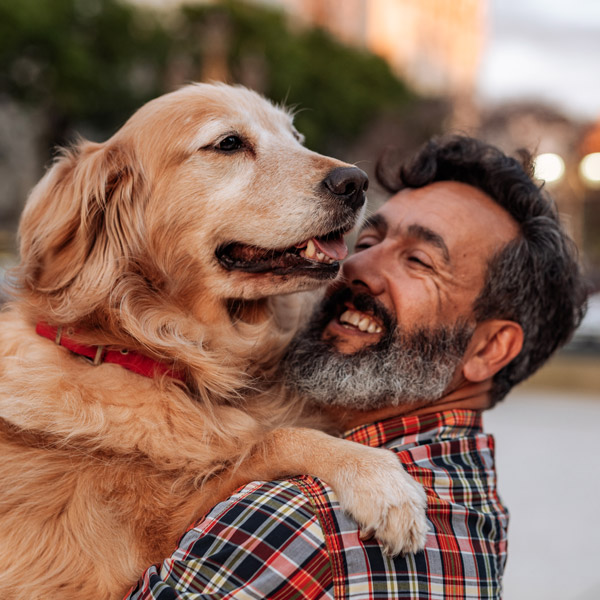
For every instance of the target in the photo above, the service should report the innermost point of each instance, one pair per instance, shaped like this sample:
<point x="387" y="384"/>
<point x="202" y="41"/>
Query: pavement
<point x="548" y="461"/>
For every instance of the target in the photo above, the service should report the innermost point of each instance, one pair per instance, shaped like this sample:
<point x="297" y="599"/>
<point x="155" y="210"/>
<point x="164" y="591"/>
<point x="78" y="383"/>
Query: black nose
<point x="349" y="184"/>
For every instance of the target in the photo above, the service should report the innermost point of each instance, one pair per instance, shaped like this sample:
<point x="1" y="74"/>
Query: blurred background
<point x="367" y="75"/>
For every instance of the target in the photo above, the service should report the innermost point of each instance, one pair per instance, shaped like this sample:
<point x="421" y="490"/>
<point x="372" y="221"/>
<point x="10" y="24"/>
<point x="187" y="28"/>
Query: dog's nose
<point x="349" y="184"/>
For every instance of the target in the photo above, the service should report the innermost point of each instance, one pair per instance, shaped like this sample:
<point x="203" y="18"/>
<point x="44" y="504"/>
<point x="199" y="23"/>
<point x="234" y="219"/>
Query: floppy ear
<point x="494" y="344"/>
<point x="78" y="228"/>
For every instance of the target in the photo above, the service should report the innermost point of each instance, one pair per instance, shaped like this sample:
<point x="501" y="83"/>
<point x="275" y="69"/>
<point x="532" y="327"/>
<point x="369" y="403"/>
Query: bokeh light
<point x="589" y="169"/>
<point x="549" y="166"/>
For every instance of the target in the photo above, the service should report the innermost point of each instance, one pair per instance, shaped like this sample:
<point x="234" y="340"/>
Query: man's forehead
<point x="450" y="209"/>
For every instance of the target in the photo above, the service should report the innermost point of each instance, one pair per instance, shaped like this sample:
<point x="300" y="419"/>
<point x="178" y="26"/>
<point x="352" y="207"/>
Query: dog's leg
<point x="370" y="483"/>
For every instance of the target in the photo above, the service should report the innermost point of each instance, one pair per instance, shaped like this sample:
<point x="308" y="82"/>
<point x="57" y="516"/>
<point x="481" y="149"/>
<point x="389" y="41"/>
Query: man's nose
<point x="364" y="270"/>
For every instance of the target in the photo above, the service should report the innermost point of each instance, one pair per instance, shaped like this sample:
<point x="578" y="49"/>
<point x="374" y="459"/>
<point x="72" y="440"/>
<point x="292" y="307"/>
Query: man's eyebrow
<point x="379" y="223"/>
<point x="376" y="222"/>
<point x="431" y="237"/>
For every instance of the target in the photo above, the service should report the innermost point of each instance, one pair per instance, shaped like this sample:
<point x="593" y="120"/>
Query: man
<point x="462" y="285"/>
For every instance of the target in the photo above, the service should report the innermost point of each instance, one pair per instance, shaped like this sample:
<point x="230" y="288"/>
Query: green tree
<point x="86" y="64"/>
<point x="337" y="88"/>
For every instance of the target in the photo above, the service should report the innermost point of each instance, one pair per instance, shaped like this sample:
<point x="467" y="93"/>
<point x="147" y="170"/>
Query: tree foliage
<point x="87" y="64"/>
<point x="337" y="88"/>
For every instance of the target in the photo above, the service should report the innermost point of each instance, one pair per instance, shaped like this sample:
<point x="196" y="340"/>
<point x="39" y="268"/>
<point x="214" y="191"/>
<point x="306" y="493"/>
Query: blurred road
<point x="548" y="458"/>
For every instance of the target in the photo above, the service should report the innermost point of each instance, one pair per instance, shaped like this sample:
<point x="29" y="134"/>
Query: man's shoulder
<point x="267" y="533"/>
<point x="263" y="541"/>
<point x="272" y="515"/>
<point x="450" y="454"/>
<point x="281" y="501"/>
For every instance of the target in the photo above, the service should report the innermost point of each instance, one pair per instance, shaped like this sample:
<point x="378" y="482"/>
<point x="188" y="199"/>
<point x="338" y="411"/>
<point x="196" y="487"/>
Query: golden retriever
<point x="167" y="244"/>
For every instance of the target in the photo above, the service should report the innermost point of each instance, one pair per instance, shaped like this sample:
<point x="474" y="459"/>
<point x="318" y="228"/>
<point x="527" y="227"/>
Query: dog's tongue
<point x="334" y="248"/>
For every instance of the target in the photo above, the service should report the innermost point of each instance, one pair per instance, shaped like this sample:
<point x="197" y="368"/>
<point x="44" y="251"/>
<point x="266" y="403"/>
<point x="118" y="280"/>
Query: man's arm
<point x="265" y="541"/>
<point x="291" y="539"/>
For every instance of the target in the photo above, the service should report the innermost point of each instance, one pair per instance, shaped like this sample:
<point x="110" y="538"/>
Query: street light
<point x="549" y="166"/>
<point x="589" y="169"/>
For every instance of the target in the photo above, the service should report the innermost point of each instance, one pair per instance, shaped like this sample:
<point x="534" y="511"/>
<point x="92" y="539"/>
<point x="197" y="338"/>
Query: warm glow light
<point x="549" y="167"/>
<point x="589" y="169"/>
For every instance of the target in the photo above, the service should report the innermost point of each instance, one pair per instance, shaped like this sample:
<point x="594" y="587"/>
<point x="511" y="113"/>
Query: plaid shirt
<point x="287" y="540"/>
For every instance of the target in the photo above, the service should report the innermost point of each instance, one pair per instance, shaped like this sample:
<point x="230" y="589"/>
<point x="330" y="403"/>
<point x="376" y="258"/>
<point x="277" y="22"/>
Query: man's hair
<point x="535" y="279"/>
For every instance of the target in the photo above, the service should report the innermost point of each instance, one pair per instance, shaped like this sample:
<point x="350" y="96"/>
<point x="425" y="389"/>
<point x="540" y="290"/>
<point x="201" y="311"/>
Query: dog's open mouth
<point x="316" y="257"/>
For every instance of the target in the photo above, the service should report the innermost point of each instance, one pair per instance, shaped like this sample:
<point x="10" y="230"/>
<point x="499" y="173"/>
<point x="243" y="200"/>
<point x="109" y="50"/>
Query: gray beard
<point x="402" y="368"/>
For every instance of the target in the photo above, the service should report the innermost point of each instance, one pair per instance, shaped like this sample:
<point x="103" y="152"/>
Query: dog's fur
<point x="103" y="469"/>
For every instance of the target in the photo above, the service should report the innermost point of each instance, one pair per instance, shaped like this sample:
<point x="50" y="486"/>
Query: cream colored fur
<point x="102" y="469"/>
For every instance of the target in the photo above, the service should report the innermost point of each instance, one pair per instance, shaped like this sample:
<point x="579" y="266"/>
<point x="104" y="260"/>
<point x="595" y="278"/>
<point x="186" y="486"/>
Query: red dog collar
<point x="128" y="359"/>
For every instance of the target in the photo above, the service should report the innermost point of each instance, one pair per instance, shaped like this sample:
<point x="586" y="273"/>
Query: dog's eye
<point x="230" y="143"/>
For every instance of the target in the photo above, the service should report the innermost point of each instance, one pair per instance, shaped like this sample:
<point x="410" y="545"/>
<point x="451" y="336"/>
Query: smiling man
<point x="461" y="286"/>
<point x="402" y="322"/>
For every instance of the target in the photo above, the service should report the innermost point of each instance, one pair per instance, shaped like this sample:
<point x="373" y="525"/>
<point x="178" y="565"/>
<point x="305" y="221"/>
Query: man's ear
<point x="494" y="344"/>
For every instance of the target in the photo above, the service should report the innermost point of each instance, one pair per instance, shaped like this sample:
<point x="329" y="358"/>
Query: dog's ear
<point x="81" y="225"/>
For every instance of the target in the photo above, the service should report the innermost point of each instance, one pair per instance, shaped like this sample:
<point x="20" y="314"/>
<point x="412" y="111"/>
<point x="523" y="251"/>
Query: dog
<point x="151" y="305"/>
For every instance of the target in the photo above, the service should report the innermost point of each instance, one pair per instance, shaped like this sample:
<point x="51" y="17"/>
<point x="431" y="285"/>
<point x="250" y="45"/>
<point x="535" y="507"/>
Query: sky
<point x="544" y="50"/>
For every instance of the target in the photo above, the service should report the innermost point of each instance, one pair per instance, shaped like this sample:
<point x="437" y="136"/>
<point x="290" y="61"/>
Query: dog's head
<point x="204" y="196"/>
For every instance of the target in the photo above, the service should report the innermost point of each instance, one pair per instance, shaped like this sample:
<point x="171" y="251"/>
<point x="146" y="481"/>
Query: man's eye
<point x="364" y="242"/>
<point x="420" y="262"/>
<point x="363" y="245"/>
<point x="230" y="144"/>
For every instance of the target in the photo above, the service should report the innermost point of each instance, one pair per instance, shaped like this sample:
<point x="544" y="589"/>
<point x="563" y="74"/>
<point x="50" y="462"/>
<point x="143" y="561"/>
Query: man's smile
<point x="350" y="329"/>
<point x="352" y="318"/>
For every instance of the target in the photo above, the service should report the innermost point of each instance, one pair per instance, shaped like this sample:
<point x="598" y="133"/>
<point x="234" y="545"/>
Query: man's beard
<point x="403" y="367"/>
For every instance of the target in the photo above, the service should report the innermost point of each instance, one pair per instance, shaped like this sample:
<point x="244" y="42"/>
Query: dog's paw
<point x="384" y="500"/>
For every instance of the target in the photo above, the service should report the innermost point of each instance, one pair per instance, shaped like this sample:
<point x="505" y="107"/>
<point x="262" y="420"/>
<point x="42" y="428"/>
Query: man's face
<point x="397" y="328"/>
<point x="423" y="256"/>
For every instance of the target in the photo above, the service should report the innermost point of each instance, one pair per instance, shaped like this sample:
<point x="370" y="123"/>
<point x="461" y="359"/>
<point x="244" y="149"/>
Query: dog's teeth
<point x="378" y="329"/>
<point x="311" y="252"/>
<point x="372" y="327"/>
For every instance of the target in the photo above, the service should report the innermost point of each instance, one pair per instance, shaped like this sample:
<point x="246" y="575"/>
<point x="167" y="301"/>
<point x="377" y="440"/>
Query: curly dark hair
<point x="535" y="279"/>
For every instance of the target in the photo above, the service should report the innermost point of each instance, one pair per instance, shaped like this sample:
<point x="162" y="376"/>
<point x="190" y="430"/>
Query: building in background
<point x="436" y="47"/>
<point x="554" y="140"/>
<point x="347" y="20"/>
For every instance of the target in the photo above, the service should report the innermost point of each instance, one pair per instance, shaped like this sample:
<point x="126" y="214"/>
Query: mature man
<point x="461" y="286"/>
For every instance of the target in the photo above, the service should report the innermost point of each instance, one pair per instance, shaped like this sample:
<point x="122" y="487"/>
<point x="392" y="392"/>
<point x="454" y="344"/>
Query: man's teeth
<point x="360" y="320"/>
<point x="311" y="253"/>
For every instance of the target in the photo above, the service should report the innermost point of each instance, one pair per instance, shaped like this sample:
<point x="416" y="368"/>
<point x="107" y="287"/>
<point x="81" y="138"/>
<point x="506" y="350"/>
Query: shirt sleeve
<point x="265" y="541"/>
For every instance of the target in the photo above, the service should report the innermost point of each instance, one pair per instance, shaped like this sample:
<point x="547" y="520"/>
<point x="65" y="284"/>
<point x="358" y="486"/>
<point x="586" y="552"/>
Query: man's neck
<point x="466" y="396"/>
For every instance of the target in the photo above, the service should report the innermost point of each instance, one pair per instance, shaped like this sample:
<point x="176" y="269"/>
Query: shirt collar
<point x="380" y="433"/>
